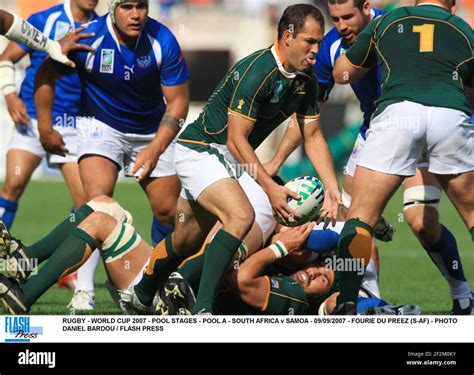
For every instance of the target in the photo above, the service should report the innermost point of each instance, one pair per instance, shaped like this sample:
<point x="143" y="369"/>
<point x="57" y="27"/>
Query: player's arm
<point x="16" y="108"/>
<point x="239" y="129"/>
<point x="289" y="143"/>
<point x="319" y="155"/>
<point x="177" y="105"/>
<point x="359" y="59"/>
<point x="252" y="287"/>
<point x="18" y="30"/>
<point x="45" y="83"/>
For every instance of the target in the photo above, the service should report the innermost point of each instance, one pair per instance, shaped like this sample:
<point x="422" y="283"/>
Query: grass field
<point x="407" y="273"/>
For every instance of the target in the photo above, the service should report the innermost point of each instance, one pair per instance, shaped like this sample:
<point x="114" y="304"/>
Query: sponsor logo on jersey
<point x="107" y="61"/>
<point x="144" y="61"/>
<point x="241" y="104"/>
<point x="61" y="29"/>
<point x="277" y="92"/>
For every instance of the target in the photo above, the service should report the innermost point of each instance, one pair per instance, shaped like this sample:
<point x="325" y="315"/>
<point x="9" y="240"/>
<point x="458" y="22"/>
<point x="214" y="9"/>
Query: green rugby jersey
<point x="425" y="54"/>
<point x="259" y="89"/>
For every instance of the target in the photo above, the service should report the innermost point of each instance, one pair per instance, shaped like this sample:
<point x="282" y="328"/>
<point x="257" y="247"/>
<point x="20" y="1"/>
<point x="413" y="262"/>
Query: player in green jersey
<point x="424" y="107"/>
<point x="254" y="97"/>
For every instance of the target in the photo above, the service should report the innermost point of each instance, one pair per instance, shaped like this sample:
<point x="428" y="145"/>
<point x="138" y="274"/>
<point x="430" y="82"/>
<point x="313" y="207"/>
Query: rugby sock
<point x="355" y="247"/>
<point x="217" y="257"/>
<point x="66" y="259"/>
<point x="7" y="211"/>
<point x="85" y="274"/>
<point x="472" y="233"/>
<point x="445" y="256"/>
<point x="159" y="231"/>
<point x="43" y="248"/>
<point x="191" y="268"/>
<point x="163" y="262"/>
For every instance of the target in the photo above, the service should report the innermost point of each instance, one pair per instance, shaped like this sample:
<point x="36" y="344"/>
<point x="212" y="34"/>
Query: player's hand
<point x="294" y="238"/>
<point x="53" y="143"/>
<point x="271" y="168"/>
<point x="17" y="109"/>
<point x="330" y="209"/>
<point x="146" y="159"/>
<point x="278" y="196"/>
<point x="68" y="44"/>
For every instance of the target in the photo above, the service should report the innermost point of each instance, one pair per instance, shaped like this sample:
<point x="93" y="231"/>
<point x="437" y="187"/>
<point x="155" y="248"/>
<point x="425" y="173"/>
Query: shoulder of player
<point x="258" y="67"/>
<point x="39" y="19"/>
<point x="158" y="31"/>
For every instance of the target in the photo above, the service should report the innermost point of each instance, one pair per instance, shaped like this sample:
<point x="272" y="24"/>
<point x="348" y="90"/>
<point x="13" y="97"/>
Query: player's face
<point x="313" y="279"/>
<point x="349" y="20"/>
<point x="130" y="18"/>
<point x="302" y="49"/>
<point x="86" y="5"/>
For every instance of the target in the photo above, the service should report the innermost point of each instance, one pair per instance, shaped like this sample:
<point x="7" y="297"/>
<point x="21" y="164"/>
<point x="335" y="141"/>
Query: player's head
<point x="349" y="17"/>
<point x="448" y="4"/>
<point x="314" y="279"/>
<point x="86" y="5"/>
<point x="300" y="30"/>
<point x="129" y="16"/>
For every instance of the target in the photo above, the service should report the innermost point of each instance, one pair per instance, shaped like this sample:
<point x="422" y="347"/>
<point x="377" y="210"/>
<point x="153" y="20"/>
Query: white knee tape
<point x="113" y="209"/>
<point x="242" y="251"/>
<point x="428" y="195"/>
<point x="346" y="199"/>
<point x="120" y="242"/>
<point x="322" y="309"/>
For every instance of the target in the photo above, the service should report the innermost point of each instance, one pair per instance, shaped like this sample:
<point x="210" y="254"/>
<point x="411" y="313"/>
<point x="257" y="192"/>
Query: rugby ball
<point x="311" y="191"/>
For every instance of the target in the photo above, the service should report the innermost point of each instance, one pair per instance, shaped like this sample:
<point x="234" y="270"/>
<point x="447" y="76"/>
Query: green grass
<point x="407" y="273"/>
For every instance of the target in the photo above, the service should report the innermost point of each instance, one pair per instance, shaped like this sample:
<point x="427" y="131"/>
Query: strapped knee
<point x="120" y="242"/>
<point x="113" y="209"/>
<point x="428" y="195"/>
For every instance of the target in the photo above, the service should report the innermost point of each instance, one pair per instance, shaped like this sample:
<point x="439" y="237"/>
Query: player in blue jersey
<point x="422" y="191"/>
<point x="134" y="89"/>
<point x="25" y="151"/>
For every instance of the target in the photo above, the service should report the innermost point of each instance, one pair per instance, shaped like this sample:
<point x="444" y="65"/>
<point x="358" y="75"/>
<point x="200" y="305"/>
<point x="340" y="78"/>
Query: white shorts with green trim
<point x="399" y="136"/>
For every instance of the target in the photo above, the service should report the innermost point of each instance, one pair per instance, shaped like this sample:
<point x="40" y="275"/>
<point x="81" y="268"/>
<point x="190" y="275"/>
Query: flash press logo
<point x="19" y="329"/>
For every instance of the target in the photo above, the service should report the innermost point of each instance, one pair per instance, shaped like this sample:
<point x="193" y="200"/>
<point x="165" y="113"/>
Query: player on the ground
<point x="255" y="96"/>
<point x="423" y="107"/>
<point x="135" y="97"/>
<point x="422" y="191"/>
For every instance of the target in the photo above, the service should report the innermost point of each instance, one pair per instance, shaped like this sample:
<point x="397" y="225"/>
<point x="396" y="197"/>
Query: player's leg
<point x="191" y="226"/>
<point x="70" y="172"/>
<point x="381" y="167"/>
<point x="20" y="165"/>
<point x="421" y="201"/>
<point x="163" y="195"/>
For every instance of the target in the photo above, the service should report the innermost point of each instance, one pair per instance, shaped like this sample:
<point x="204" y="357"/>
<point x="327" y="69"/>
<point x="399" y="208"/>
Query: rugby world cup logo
<point x="107" y="61"/>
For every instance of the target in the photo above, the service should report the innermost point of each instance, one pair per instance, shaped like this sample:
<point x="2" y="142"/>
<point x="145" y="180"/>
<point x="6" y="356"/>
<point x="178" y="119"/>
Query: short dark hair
<point x="357" y="3"/>
<point x="294" y="18"/>
<point x="448" y="3"/>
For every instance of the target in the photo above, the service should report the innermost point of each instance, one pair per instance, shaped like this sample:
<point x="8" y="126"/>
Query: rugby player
<point x="25" y="151"/>
<point x="425" y="86"/>
<point x="254" y="97"/>
<point x="422" y="192"/>
<point x="135" y="96"/>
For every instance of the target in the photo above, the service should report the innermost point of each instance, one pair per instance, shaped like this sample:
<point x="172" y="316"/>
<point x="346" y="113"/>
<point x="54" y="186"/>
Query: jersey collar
<point x="281" y="68"/>
<point x="432" y="4"/>
<point x="68" y="11"/>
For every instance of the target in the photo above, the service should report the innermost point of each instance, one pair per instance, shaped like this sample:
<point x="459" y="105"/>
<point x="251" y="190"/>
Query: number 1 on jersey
<point x="426" y="36"/>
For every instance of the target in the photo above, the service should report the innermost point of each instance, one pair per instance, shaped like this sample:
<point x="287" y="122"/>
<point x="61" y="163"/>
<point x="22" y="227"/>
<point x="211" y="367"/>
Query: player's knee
<point x="425" y="227"/>
<point x="106" y="204"/>
<point x="240" y="222"/>
<point x="12" y="190"/>
<point x="98" y="225"/>
<point x="164" y="212"/>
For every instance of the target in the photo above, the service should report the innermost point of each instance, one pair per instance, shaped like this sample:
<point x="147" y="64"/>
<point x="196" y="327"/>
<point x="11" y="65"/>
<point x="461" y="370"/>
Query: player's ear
<point x="453" y="9"/>
<point x="366" y="9"/>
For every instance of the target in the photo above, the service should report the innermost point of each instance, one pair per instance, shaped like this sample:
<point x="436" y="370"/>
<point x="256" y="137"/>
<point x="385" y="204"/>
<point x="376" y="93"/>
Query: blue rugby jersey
<point x="366" y="89"/>
<point x="54" y="22"/>
<point x="121" y="86"/>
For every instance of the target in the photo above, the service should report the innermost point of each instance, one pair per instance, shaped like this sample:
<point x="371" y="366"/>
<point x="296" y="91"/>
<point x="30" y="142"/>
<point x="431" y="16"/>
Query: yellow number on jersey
<point x="426" y="36"/>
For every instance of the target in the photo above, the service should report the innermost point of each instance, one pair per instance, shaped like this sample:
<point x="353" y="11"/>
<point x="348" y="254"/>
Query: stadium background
<point x="213" y="35"/>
